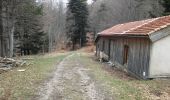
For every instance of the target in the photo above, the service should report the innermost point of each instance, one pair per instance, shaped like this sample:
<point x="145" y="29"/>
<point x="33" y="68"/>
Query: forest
<point x="40" y="26"/>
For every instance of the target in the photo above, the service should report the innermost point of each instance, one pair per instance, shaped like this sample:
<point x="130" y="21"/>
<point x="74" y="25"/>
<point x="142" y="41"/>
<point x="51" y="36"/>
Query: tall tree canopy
<point x="77" y="17"/>
<point x="28" y="30"/>
<point x="20" y="27"/>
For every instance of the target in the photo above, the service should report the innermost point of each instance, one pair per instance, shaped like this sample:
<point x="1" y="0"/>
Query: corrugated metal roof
<point x="144" y="27"/>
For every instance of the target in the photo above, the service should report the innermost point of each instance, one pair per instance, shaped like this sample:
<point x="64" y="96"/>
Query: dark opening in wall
<point x="125" y="54"/>
<point x="103" y="47"/>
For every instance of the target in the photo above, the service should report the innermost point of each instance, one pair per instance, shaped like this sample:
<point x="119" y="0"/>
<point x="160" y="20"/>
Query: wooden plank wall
<point x="139" y="56"/>
<point x="139" y="53"/>
<point x="106" y="48"/>
<point x="98" y="48"/>
<point x="0" y="49"/>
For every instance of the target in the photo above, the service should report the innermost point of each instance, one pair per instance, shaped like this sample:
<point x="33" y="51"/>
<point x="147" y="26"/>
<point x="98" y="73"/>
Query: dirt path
<point x="73" y="81"/>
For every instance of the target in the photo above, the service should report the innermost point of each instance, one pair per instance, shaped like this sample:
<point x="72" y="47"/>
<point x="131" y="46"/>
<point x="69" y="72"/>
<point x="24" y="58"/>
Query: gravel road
<point x="72" y="81"/>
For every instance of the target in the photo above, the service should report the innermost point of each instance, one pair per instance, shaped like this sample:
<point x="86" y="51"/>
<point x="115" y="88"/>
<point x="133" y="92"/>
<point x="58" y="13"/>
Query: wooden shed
<point x="142" y="48"/>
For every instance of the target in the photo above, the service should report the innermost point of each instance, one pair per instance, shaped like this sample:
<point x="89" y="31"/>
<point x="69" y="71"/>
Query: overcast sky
<point x="89" y="1"/>
<point x="65" y="1"/>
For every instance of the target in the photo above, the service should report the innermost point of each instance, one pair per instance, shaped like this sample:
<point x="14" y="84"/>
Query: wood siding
<point x="138" y="54"/>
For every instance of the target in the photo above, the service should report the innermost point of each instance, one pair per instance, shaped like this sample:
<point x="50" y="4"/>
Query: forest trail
<point x="72" y="80"/>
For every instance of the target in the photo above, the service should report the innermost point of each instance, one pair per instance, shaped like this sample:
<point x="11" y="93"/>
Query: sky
<point x="89" y="1"/>
<point x="65" y="1"/>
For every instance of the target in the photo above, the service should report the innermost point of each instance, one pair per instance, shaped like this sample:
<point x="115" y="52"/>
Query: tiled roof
<point x="144" y="27"/>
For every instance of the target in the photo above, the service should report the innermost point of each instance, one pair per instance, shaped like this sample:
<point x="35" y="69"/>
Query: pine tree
<point x="28" y="28"/>
<point x="77" y="16"/>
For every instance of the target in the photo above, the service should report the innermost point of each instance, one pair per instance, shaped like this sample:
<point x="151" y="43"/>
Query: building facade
<point x="141" y="47"/>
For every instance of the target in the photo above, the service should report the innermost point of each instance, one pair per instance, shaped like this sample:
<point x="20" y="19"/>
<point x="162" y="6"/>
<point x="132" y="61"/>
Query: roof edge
<point x="122" y="35"/>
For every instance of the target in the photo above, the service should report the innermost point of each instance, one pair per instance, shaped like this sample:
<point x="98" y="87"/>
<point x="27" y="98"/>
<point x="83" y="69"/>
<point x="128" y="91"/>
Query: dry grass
<point x="126" y="87"/>
<point x="16" y="85"/>
<point x="88" y="49"/>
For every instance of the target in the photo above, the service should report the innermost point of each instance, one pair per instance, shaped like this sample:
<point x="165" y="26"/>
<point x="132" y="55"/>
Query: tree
<point x="54" y="20"/>
<point x="1" y="29"/>
<point x="7" y="20"/>
<point x="100" y="20"/>
<point x="166" y="5"/>
<point x="106" y="13"/>
<point x="28" y="31"/>
<point x="77" y="17"/>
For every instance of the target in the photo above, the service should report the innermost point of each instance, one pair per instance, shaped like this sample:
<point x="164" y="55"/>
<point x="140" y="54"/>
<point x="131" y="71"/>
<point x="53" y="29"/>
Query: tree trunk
<point x="1" y="30"/>
<point x="11" y="42"/>
<point x="50" y="38"/>
<point x="80" y="40"/>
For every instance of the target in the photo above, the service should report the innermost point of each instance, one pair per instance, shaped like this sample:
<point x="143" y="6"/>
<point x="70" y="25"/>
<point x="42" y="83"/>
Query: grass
<point x="127" y="89"/>
<point x="16" y="85"/>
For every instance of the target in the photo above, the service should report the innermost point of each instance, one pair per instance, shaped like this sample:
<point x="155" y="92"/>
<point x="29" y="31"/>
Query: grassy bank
<point x="125" y="87"/>
<point x="15" y="85"/>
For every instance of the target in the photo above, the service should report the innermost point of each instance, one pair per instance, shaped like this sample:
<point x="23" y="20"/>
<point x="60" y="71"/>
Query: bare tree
<point x="8" y="8"/>
<point x="106" y="13"/>
<point x="54" y="24"/>
<point x="1" y="30"/>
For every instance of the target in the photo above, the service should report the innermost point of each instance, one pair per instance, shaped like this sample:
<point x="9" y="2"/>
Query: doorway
<point x="125" y="54"/>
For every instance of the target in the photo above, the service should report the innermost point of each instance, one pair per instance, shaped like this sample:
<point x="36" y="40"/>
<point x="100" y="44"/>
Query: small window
<point x="125" y="54"/>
